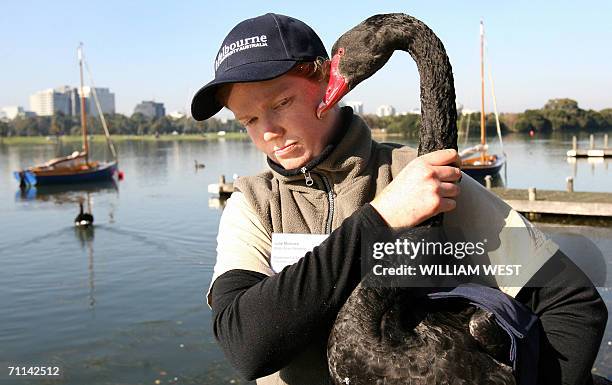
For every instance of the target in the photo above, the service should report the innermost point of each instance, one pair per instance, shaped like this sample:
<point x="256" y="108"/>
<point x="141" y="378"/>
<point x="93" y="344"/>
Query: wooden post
<point x="532" y="193"/>
<point x="591" y="142"/>
<point x="221" y="180"/>
<point x="574" y="143"/>
<point x="569" y="184"/>
<point x="488" y="182"/>
<point x="605" y="141"/>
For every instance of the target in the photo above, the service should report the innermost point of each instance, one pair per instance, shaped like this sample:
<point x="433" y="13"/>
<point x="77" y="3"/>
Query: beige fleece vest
<point x="351" y="176"/>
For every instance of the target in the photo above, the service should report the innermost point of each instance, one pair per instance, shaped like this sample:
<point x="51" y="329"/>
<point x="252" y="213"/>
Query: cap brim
<point x="204" y="103"/>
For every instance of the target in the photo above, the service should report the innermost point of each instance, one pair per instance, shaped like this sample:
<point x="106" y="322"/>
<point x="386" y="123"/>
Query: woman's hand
<point x="424" y="188"/>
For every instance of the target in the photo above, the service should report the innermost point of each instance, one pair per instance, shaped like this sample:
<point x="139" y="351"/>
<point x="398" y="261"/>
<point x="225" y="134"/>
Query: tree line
<point x="118" y="124"/>
<point x="556" y="115"/>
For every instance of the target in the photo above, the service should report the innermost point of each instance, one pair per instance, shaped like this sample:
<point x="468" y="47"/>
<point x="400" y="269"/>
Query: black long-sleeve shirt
<point x="261" y="322"/>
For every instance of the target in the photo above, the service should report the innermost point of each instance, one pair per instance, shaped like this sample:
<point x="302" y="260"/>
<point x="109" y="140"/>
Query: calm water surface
<point x="124" y="302"/>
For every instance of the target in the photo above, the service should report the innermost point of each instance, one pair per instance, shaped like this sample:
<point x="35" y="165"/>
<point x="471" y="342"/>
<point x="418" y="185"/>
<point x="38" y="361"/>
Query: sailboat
<point x="476" y="161"/>
<point x="76" y="167"/>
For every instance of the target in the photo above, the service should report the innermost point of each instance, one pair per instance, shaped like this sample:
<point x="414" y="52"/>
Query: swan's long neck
<point x="438" y="109"/>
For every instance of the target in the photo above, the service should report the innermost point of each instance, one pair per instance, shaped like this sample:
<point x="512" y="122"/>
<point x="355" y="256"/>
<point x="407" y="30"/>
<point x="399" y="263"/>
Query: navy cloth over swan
<point x="512" y="316"/>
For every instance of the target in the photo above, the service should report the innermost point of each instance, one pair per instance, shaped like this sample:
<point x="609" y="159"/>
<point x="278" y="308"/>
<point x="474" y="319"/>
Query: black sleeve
<point x="262" y="322"/>
<point x="573" y="318"/>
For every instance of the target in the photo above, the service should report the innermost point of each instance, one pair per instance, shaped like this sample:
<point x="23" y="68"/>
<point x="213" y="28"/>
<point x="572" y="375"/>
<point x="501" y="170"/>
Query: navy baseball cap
<point x="257" y="49"/>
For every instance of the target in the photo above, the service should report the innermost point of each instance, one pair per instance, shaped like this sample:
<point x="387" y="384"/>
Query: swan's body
<point x="385" y="335"/>
<point x="83" y="219"/>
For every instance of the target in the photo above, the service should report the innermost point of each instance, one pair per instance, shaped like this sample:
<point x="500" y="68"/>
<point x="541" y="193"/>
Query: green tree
<point x="532" y="120"/>
<point x="565" y="104"/>
<point x="606" y="115"/>
<point x="407" y="125"/>
<point x="31" y="126"/>
<point x="163" y="125"/>
<point x="60" y="123"/>
<point x="140" y="123"/>
<point x="373" y="121"/>
<point x="4" y="128"/>
<point x="119" y="124"/>
<point x="564" y="114"/>
<point x="509" y="120"/>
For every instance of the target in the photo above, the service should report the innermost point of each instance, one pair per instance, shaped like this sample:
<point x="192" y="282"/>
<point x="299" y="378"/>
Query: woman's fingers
<point x="425" y="187"/>
<point x="447" y="173"/>
<point x="442" y="158"/>
<point x="449" y="190"/>
<point x="447" y="205"/>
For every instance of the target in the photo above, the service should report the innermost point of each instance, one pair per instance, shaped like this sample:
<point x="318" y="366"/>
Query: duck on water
<point x="394" y="335"/>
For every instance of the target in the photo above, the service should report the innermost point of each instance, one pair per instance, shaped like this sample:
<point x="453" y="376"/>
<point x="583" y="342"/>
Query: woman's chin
<point x="290" y="163"/>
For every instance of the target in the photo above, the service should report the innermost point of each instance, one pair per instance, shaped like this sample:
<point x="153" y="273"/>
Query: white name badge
<point x="287" y="248"/>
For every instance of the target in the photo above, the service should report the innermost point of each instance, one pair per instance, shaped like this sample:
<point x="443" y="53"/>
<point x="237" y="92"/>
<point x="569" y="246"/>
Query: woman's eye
<point x="282" y="103"/>
<point x="249" y="122"/>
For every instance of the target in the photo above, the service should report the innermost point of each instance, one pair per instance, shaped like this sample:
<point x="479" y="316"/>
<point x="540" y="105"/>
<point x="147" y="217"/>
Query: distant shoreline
<point x="377" y="134"/>
<point x="14" y="140"/>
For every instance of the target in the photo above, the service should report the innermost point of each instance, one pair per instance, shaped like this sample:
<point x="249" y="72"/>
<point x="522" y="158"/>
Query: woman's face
<point x="280" y="117"/>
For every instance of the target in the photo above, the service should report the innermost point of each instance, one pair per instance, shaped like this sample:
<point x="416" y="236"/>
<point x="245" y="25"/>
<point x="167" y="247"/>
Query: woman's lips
<point x="285" y="150"/>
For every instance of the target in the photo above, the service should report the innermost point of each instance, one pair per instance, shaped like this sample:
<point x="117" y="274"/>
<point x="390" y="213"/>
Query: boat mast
<point x="482" y="109"/>
<point x="83" y="114"/>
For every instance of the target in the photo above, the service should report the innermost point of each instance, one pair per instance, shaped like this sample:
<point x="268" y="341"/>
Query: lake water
<point x="124" y="302"/>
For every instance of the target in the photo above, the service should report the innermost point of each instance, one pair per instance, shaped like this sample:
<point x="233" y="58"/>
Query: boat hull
<point x="480" y="171"/>
<point x="102" y="172"/>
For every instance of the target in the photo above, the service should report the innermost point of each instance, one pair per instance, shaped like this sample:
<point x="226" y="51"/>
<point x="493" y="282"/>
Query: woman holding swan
<point x="327" y="176"/>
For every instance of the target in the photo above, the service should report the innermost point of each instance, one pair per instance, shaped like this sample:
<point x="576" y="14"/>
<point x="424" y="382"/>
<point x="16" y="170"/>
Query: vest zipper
<point x="330" y="198"/>
<point x="307" y="176"/>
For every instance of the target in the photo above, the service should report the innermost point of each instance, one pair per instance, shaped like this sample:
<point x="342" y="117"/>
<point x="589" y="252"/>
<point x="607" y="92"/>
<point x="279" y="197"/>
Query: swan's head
<point x="356" y="56"/>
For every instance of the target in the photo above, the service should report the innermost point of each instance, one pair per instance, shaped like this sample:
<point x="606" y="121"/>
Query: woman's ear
<point x="325" y="70"/>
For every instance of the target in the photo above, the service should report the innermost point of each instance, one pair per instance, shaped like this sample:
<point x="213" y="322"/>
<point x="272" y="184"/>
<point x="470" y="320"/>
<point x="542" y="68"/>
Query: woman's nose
<point x="272" y="131"/>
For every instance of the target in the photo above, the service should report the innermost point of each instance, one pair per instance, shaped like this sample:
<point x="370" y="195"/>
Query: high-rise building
<point x="105" y="97"/>
<point x="49" y="101"/>
<point x="356" y="106"/>
<point x="177" y="114"/>
<point x="11" y="112"/>
<point x="67" y="100"/>
<point x="151" y="109"/>
<point x="385" y="110"/>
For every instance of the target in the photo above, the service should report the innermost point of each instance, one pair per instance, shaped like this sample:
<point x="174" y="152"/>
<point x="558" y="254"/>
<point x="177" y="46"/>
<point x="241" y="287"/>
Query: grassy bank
<point x="15" y="140"/>
<point x="385" y="136"/>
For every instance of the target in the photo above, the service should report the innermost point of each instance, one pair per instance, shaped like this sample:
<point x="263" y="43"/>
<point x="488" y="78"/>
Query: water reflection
<point x="85" y="236"/>
<point x="497" y="180"/>
<point x="594" y="164"/>
<point x="217" y="203"/>
<point x="65" y="193"/>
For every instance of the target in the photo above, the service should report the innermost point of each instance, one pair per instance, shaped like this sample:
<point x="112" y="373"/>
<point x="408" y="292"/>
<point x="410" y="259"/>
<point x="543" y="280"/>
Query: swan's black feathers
<point x="83" y="219"/>
<point x="415" y="342"/>
<point x="485" y="330"/>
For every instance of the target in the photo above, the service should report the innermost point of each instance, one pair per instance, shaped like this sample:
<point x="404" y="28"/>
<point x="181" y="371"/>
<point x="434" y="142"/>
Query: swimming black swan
<point x="83" y="219"/>
<point x="391" y="335"/>
<point x="199" y="165"/>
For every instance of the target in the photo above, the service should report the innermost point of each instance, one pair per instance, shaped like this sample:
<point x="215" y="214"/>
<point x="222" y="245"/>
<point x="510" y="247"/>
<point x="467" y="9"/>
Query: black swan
<point x="83" y="219"/>
<point x="199" y="165"/>
<point x="388" y="335"/>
